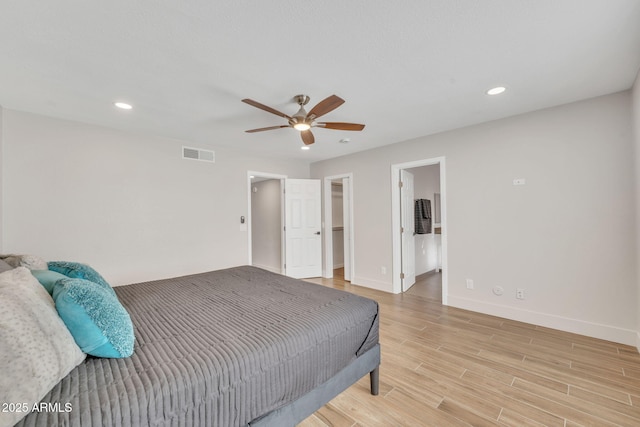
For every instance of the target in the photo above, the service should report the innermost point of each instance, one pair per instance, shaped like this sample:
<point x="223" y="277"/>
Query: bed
<point x="234" y="347"/>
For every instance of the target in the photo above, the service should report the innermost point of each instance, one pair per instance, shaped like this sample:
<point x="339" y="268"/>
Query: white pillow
<point x="32" y="262"/>
<point x="4" y="266"/>
<point x="36" y="348"/>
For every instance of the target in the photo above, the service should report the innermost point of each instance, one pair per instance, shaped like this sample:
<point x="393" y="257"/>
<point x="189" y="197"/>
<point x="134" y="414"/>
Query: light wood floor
<point x="443" y="366"/>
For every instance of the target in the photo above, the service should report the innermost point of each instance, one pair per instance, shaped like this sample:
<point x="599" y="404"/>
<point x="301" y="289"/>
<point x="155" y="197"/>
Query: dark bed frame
<point x="296" y="411"/>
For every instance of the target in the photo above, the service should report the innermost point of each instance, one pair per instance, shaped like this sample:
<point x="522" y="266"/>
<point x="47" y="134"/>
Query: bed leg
<point x="374" y="376"/>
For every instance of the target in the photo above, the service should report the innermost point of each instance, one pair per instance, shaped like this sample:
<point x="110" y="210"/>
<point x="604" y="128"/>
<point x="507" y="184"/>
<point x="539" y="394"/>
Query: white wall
<point x="266" y="223"/>
<point x="563" y="237"/>
<point x="426" y="182"/>
<point x="1" y="178"/>
<point x="127" y="204"/>
<point x="636" y="127"/>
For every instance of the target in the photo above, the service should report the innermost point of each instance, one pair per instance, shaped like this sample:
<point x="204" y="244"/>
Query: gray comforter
<point x="216" y="349"/>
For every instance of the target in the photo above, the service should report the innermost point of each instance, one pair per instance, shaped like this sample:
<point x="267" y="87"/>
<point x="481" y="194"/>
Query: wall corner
<point x="635" y="113"/>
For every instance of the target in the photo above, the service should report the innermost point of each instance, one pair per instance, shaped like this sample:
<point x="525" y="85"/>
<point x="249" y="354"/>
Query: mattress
<point x="221" y="348"/>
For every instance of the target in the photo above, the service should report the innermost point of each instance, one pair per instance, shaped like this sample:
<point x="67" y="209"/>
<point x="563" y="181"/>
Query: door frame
<point x="327" y="261"/>
<point x="395" y="221"/>
<point x="267" y="175"/>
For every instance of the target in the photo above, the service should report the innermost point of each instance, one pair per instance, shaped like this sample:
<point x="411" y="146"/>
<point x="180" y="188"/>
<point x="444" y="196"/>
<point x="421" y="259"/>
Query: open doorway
<point x="284" y="227"/>
<point x="427" y="232"/>
<point x="265" y="224"/>
<point x="338" y="223"/>
<point x="426" y="191"/>
<point x="419" y="252"/>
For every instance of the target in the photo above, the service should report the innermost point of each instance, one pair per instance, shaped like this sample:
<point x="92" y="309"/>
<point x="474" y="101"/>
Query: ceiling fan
<point x="304" y="121"/>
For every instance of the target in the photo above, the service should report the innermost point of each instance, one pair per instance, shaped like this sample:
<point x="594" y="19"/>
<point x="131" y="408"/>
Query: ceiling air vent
<point x="198" y="154"/>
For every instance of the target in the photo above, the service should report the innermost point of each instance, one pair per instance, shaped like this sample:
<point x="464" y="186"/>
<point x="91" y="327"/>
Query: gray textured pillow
<point x="36" y="348"/>
<point x="4" y="266"/>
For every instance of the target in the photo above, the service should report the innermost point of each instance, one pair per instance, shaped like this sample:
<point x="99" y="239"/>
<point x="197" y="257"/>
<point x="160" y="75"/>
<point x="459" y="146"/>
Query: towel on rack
<point x="423" y="216"/>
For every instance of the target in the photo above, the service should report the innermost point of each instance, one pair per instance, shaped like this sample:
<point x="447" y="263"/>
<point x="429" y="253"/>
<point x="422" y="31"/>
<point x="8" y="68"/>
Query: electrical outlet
<point x="520" y="293"/>
<point x="383" y="270"/>
<point x="469" y="284"/>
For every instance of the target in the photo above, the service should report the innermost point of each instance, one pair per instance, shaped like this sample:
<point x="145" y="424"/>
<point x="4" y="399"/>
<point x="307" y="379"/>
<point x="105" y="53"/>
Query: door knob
<point x="317" y="233"/>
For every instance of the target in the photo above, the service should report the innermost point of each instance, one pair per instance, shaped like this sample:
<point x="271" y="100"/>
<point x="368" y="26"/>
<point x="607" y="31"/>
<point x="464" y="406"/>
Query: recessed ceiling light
<point x="306" y="147"/>
<point x="496" y="90"/>
<point x="123" y="105"/>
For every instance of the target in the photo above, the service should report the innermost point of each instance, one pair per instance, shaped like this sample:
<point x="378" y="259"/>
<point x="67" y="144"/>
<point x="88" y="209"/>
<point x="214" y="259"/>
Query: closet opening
<point x="338" y="226"/>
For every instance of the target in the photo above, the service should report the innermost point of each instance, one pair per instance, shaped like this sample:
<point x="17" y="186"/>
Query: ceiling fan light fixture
<point x="302" y="126"/>
<point x="303" y="121"/>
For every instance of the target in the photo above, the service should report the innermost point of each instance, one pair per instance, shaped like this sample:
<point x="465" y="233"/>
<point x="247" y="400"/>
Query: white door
<point x="303" y="243"/>
<point x="407" y="224"/>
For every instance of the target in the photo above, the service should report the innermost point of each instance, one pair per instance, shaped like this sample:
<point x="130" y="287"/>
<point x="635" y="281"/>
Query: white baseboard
<point x="371" y="283"/>
<point x="338" y="265"/>
<point x="268" y="268"/>
<point x="576" y="326"/>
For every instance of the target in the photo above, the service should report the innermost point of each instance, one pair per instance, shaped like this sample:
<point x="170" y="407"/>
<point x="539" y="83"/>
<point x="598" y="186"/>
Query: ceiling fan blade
<point x="307" y="137"/>
<point x="326" y="105"/>
<point x="265" y="108"/>
<point x="269" y="128"/>
<point x="340" y="126"/>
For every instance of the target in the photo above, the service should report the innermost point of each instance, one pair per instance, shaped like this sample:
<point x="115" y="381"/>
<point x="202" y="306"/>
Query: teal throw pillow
<point x="76" y="270"/>
<point x="97" y="321"/>
<point x="48" y="278"/>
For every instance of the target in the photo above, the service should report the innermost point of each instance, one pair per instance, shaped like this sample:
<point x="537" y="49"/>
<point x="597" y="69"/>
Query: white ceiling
<point x="406" y="68"/>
